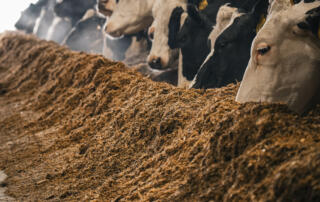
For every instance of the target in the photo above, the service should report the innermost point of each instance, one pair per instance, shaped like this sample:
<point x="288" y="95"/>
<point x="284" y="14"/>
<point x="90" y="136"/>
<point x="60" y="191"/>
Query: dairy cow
<point x="73" y="9"/>
<point x="161" y="55"/>
<point x="87" y="34"/>
<point x="126" y="39"/>
<point x="228" y="60"/>
<point x="285" y="59"/>
<point x="195" y="45"/>
<point x="45" y="19"/>
<point x="29" y="16"/>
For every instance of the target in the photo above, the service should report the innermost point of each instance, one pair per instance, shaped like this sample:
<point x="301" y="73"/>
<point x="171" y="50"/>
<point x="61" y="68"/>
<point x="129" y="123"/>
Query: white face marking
<point x="225" y="18"/>
<point x="284" y="63"/>
<point x="160" y="49"/>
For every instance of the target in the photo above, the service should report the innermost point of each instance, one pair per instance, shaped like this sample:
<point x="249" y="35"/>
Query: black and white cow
<point x="87" y="34"/>
<point x="285" y="58"/>
<point x="66" y="14"/>
<point x="45" y="19"/>
<point x="194" y="45"/>
<point x="73" y="9"/>
<point x="29" y="16"/>
<point x="161" y="55"/>
<point x="228" y="60"/>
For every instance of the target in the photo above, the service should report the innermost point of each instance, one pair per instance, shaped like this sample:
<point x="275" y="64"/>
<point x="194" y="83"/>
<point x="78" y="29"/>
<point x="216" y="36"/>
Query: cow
<point x="29" y="16"/>
<point x="126" y="39"/>
<point x="45" y="19"/>
<point x="231" y="53"/>
<point x="73" y="9"/>
<point x="87" y="34"/>
<point x="130" y="17"/>
<point x="195" y="45"/>
<point x="285" y="59"/>
<point x="161" y="55"/>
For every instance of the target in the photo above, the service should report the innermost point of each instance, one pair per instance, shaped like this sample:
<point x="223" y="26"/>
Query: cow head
<point x="28" y="18"/>
<point x="231" y="50"/>
<point x="193" y="44"/>
<point x="161" y="55"/>
<point x="130" y="17"/>
<point x="285" y="59"/>
<point x="106" y="7"/>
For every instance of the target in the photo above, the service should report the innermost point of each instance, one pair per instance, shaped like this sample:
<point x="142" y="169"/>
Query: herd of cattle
<point x="273" y="46"/>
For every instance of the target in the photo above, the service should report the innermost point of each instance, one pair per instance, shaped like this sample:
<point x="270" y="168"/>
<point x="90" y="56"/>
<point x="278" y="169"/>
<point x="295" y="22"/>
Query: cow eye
<point x="117" y="1"/>
<point x="263" y="50"/>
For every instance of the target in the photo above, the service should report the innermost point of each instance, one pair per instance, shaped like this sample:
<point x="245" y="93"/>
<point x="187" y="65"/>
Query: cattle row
<point x="271" y="46"/>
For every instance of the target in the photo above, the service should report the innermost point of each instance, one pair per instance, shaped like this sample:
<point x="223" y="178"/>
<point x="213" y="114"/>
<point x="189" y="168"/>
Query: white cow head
<point x="285" y="59"/>
<point x="130" y="17"/>
<point x="161" y="56"/>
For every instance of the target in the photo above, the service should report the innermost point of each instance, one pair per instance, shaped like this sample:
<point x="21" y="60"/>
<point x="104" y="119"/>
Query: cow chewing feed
<point x="45" y="19"/>
<point x="87" y="34"/>
<point x="231" y="54"/>
<point x="285" y="59"/>
<point x="161" y="55"/>
<point x="73" y="9"/>
<point x="29" y="16"/>
<point x="130" y="17"/>
<point x="194" y="45"/>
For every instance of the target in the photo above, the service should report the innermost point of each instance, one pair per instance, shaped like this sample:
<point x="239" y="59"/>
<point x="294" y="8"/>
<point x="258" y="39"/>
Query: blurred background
<point x="10" y="12"/>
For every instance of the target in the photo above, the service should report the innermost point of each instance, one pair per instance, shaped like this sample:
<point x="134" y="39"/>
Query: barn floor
<point x="76" y="127"/>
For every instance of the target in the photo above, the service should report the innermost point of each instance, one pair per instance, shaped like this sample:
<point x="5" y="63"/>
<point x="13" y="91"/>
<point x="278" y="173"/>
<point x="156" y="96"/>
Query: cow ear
<point x="174" y="26"/>
<point x="312" y="22"/>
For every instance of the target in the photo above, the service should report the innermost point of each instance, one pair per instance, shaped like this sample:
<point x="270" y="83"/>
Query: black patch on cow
<point x="86" y="35"/>
<point x="312" y="21"/>
<point x="231" y="51"/>
<point x="74" y="9"/>
<point x="195" y="45"/>
<point x="174" y="26"/>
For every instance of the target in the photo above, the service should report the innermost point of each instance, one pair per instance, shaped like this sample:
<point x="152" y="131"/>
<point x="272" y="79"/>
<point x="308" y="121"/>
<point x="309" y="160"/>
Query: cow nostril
<point x="155" y="63"/>
<point x="151" y="36"/>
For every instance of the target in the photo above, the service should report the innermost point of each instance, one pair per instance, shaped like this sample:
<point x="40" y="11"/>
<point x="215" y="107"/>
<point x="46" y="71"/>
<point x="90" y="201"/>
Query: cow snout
<point x="151" y="33"/>
<point x="155" y="63"/>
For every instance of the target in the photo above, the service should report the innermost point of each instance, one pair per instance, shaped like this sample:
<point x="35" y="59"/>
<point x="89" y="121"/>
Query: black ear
<point x="312" y="21"/>
<point x="174" y="26"/>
